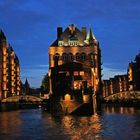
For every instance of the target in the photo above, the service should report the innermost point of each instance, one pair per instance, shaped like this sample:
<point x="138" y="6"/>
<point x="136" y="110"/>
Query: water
<point x="112" y="124"/>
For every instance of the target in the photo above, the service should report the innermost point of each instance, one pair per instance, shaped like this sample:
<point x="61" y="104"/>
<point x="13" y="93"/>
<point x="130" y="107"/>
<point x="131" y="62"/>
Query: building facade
<point x="115" y="85"/>
<point x="77" y="55"/>
<point x="122" y="83"/>
<point x="9" y="70"/>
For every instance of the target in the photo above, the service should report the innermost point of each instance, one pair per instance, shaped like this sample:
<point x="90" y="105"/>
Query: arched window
<point x="56" y="56"/>
<point x="83" y="56"/>
<point x="64" y="57"/>
<point x="70" y="56"/>
<point x="91" y="56"/>
<point x="77" y="57"/>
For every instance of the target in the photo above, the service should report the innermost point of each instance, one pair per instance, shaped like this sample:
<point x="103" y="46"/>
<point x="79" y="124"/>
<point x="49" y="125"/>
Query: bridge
<point x="126" y="95"/>
<point x="26" y="98"/>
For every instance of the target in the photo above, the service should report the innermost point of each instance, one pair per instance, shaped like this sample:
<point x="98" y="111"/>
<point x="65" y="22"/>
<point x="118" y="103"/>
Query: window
<point x="81" y="73"/>
<point x="64" y="57"/>
<point x="83" y="56"/>
<point x="76" y="73"/>
<point x="56" y="56"/>
<point x="77" y="56"/>
<point x="70" y="57"/>
<point x="73" y="43"/>
<point x="60" y="43"/>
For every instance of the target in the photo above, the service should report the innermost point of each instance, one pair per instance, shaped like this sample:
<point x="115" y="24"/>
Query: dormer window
<point x="73" y="43"/>
<point x="60" y="43"/>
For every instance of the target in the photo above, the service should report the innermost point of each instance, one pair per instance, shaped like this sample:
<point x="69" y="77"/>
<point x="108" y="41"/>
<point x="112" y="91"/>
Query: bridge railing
<point x="128" y="95"/>
<point x="27" y="98"/>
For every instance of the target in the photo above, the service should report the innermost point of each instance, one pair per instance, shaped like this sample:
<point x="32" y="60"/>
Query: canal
<point x="117" y="123"/>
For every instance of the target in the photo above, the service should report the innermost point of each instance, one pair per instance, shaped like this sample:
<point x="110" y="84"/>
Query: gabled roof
<point x="2" y="35"/>
<point x="71" y="33"/>
<point x="10" y="48"/>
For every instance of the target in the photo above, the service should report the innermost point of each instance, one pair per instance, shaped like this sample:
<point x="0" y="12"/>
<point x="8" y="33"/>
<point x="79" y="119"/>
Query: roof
<point x="71" y="33"/>
<point x="2" y="35"/>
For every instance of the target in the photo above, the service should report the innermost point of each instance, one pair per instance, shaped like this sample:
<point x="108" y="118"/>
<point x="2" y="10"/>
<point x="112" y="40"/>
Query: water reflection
<point x="8" y="119"/>
<point x="77" y="128"/>
<point x="113" y="124"/>
<point x="117" y="123"/>
<point x="120" y="110"/>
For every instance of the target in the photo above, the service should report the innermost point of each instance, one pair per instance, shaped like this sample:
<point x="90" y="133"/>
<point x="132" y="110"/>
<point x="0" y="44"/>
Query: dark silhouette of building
<point x="134" y="74"/>
<point x="26" y="88"/>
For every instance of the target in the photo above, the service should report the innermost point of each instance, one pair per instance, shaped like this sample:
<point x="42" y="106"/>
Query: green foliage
<point x="45" y="84"/>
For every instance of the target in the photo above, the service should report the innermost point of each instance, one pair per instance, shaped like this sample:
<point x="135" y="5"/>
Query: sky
<point x="30" y="27"/>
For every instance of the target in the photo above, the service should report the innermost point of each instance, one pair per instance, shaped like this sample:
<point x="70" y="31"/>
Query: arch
<point x="56" y="56"/>
<point x="70" y="56"/>
<point x="64" y="57"/>
<point x="83" y="56"/>
<point x="27" y="98"/>
<point x="77" y="56"/>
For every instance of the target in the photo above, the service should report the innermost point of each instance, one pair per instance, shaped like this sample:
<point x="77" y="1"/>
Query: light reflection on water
<point x="111" y="124"/>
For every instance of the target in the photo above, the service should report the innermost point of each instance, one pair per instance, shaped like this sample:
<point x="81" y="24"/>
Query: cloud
<point x="110" y="72"/>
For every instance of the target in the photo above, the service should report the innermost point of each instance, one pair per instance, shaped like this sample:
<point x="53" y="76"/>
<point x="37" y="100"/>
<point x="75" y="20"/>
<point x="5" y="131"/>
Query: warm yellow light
<point x="82" y="73"/>
<point x="86" y="98"/>
<point x="67" y="97"/>
<point x="49" y="72"/>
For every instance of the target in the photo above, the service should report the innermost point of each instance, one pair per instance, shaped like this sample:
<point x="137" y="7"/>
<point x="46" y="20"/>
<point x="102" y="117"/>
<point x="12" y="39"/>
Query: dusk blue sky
<point x="30" y="27"/>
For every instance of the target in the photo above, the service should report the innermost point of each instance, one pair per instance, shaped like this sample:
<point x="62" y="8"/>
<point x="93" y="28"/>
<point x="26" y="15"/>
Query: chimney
<point x="59" y="32"/>
<point x="84" y="31"/>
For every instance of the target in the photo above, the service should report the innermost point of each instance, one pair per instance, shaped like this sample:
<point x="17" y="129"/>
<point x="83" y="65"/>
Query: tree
<point x="45" y="84"/>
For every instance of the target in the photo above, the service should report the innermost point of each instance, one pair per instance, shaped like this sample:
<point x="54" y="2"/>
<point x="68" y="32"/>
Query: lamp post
<point x="50" y="81"/>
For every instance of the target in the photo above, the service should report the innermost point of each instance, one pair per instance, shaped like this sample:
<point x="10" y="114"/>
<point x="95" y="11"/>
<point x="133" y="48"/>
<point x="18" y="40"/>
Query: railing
<point x="27" y="98"/>
<point x="127" y="95"/>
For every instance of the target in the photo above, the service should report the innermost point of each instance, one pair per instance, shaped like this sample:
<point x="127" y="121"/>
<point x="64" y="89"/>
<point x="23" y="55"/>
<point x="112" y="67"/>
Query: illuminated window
<point x="76" y="73"/>
<point x="67" y="97"/>
<point x="73" y="43"/>
<point x="60" y="43"/>
<point x="77" y="84"/>
<point x="82" y="73"/>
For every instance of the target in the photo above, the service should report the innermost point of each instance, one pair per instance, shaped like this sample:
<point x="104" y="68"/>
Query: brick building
<point x="9" y="70"/>
<point x="115" y="85"/>
<point x="74" y="47"/>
